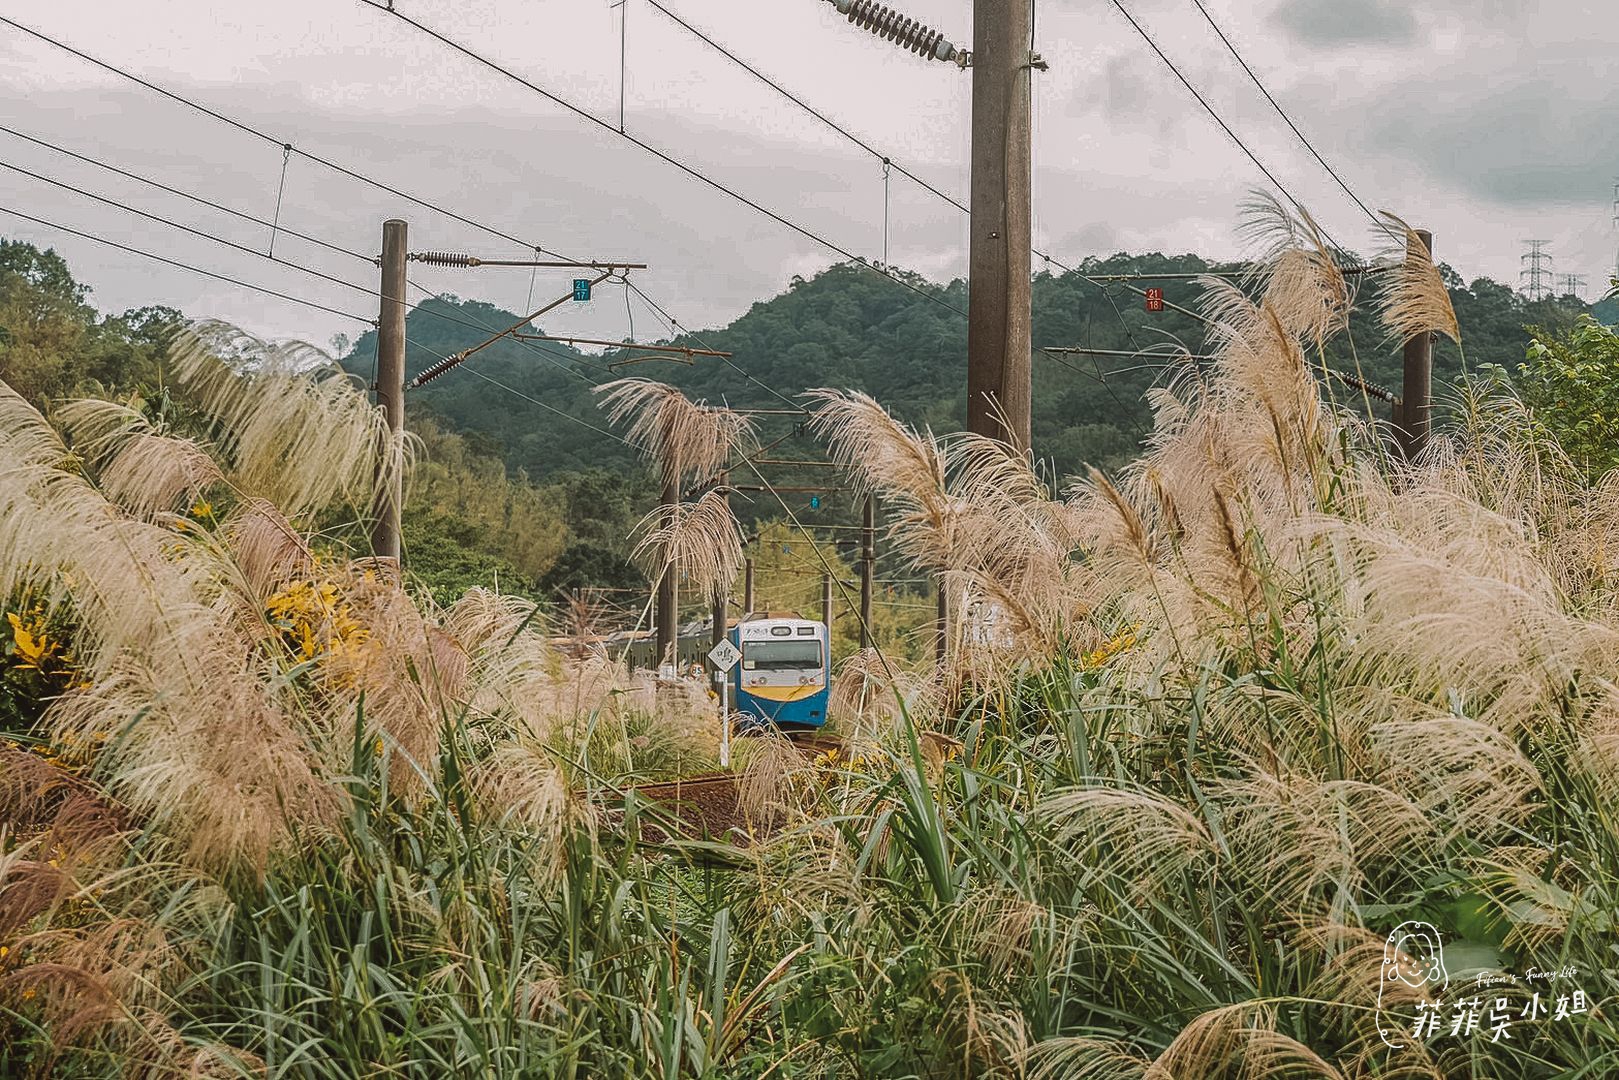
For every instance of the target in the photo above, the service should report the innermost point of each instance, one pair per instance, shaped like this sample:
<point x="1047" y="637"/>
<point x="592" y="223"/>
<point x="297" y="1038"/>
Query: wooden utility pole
<point x="667" y="616"/>
<point x="868" y="566"/>
<point x="1416" y="410"/>
<point x="390" y="390"/>
<point x="747" y="587"/>
<point x="941" y="646"/>
<point x="999" y="392"/>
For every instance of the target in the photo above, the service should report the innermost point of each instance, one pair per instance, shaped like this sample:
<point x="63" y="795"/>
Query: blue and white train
<point x="783" y="676"/>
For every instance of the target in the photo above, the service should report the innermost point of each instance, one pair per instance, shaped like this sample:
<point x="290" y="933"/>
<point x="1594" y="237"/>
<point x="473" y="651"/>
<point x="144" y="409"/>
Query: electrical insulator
<point x="444" y="258"/>
<point x="436" y="370"/>
<point x="910" y="34"/>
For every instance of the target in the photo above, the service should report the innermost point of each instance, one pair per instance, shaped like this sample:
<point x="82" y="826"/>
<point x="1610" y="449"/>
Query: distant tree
<point x="601" y="509"/>
<point x="1571" y="380"/>
<point x="47" y="322"/>
<point x="465" y="518"/>
<point x="54" y="345"/>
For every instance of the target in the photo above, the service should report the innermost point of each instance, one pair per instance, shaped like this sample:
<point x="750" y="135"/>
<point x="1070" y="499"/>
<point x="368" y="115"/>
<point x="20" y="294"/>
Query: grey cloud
<point x="532" y="174"/>
<point x="1544" y="139"/>
<point x="1331" y="23"/>
<point x="1124" y="157"/>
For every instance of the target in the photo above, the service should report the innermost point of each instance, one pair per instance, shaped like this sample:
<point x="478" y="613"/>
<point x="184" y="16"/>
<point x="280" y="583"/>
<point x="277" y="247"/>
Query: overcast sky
<point x="1488" y="121"/>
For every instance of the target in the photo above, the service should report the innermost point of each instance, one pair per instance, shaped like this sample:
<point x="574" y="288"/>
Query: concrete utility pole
<point x="747" y="587"/>
<point x="999" y="258"/>
<point x="941" y="644"/>
<point x="390" y="389"/>
<point x="868" y="566"/>
<point x="826" y="605"/>
<point x="1416" y="397"/>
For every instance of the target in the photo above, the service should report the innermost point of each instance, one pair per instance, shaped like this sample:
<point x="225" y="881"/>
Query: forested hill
<point x="850" y="328"/>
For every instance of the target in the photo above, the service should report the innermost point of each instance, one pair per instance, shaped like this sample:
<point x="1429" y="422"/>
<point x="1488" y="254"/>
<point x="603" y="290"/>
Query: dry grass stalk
<point x="1139" y="835"/>
<point x="294" y="428"/>
<point x="699" y="542"/>
<point x="1237" y="1042"/>
<point x="1297" y="270"/>
<point x="1414" y="299"/>
<point x="689" y="439"/>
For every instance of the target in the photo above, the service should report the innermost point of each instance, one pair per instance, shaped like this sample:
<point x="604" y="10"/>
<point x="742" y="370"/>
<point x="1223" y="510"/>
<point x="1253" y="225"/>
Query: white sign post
<point x="724" y="657"/>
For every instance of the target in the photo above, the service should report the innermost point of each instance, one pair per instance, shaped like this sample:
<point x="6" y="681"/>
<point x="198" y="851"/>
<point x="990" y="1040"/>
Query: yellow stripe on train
<point x="784" y="693"/>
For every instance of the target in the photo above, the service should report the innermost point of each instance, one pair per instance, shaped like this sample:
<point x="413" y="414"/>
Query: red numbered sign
<point x="1155" y="299"/>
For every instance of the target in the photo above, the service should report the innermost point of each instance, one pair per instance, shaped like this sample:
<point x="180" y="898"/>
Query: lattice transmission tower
<point x="1616" y="226"/>
<point x="1536" y="275"/>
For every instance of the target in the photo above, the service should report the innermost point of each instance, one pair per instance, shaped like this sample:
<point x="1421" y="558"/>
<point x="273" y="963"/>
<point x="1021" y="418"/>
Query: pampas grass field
<point x="1212" y="728"/>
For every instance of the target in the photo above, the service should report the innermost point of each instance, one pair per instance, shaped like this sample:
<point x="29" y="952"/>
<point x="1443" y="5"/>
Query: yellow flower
<point x="33" y="647"/>
<point x="202" y="509"/>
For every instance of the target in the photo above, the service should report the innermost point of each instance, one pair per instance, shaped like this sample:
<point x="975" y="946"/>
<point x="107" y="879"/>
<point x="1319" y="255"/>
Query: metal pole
<point x="868" y="566"/>
<point x="721" y="592"/>
<point x="747" y="587"/>
<point x="1416" y="417"/>
<point x="390" y="389"/>
<point x="725" y="719"/>
<point x="999" y="258"/>
<point x="826" y="606"/>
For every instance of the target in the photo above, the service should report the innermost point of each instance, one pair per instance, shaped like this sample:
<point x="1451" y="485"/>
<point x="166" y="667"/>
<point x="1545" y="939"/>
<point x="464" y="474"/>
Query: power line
<point x="243" y="214"/>
<point x="822" y="117"/>
<point x="861" y="143"/>
<point x="379" y="185"/>
<point x="1201" y="100"/>
<point x="187" y="266"/>
<point x="544" y="353"/>
<point x="733" y="365"/>
<point x="187" y="228"/>
<point x="266" y="137"/>
<point x="547" y="407"/>
<point x="1379" y="222"/>
<point x="689" y="170"/>
<point x="451" y="214"/>
<point x="310" y="303"/>
<point x="547" y="354"/>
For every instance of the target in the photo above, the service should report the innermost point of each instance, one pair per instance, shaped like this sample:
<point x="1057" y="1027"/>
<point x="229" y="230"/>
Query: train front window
<point x="781" y="655"/>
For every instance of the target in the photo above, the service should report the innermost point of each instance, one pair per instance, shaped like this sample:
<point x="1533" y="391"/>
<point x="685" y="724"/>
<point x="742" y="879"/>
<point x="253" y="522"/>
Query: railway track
<point x="711" y="806"/>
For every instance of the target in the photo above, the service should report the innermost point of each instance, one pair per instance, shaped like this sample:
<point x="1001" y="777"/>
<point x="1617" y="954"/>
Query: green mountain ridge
<point x="849" y="328"/>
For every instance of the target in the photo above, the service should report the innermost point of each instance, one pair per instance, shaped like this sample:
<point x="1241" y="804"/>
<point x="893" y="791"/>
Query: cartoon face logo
<point x="1414" y="956"/>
